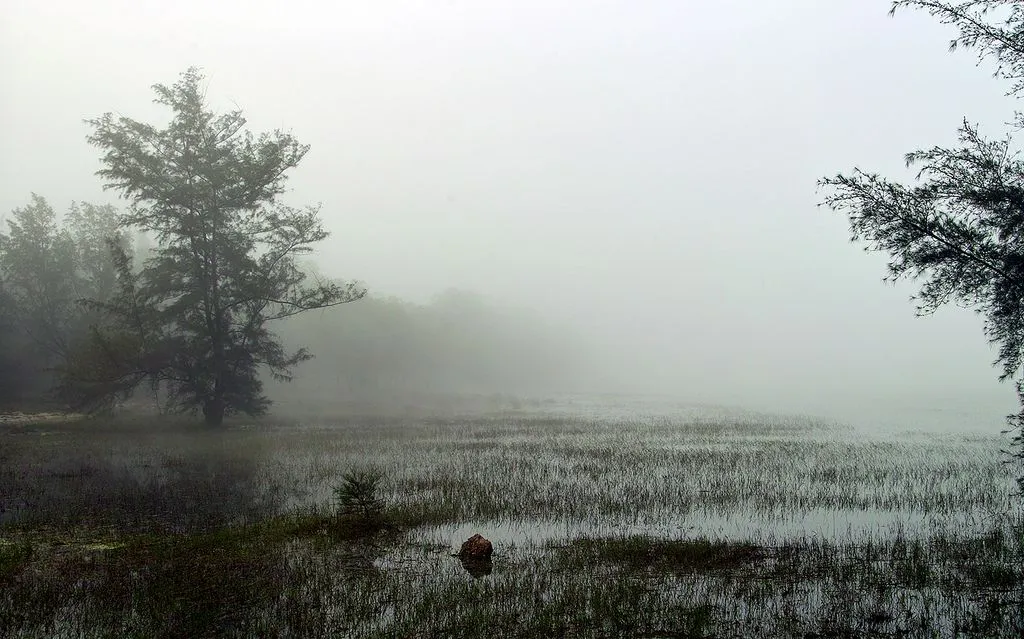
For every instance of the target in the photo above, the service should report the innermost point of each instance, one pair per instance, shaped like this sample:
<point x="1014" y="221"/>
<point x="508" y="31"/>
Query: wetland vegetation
<point x="681" y="523"/>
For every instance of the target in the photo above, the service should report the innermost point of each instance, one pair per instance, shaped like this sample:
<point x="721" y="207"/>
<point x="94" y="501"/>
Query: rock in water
<point x="476" y="548"/>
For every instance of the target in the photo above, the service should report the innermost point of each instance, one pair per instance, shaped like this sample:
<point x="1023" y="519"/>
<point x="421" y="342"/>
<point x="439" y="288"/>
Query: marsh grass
<point x="643" y="552"/>
<point x="644" y="527"/>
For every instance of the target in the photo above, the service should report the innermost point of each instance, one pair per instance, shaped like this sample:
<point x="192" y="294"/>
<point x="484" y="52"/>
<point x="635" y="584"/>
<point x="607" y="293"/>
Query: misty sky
<point x="643" y="171"/>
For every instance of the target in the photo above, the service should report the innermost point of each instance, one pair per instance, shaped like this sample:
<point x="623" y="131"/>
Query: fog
<point x="639" y="176"/>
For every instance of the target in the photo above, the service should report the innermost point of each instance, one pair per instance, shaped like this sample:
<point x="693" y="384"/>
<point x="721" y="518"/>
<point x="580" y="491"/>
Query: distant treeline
<point x="376" y="349"/>
<point x="388" y="349"/>
<point x="48" y="265"/>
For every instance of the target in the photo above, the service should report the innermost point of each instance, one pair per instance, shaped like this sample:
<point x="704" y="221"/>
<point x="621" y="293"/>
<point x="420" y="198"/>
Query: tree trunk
<point x="213" y="411"/>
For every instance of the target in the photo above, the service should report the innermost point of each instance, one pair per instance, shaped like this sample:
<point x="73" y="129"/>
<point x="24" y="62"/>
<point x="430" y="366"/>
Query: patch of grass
<point x="336" y="527"/>
<point x="194" y="585"/>
<point x="14" y="555"/>
<point x="640" y="552"/>
<point x="213" y="583"/>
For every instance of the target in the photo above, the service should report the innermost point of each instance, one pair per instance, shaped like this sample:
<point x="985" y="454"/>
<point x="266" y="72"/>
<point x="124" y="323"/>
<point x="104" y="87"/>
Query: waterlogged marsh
<point x="694" y="522"/>
<point x="734" y="476"/>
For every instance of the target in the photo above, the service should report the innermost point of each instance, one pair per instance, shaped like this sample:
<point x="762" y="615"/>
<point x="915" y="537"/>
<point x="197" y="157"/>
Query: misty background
<point x="609" y="196"/>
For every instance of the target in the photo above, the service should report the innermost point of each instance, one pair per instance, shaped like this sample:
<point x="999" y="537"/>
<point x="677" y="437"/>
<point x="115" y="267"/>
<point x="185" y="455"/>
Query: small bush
<point x="358" y="494"/>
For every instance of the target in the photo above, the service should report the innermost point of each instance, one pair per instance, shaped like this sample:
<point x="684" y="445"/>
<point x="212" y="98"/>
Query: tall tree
<point x="195" y="318"/>
<point x="960" y="228"/>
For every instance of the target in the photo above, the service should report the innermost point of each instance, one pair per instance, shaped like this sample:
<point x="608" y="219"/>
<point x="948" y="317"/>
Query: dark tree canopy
<point x="194" y="319"/>
<point x="959" y="228"/>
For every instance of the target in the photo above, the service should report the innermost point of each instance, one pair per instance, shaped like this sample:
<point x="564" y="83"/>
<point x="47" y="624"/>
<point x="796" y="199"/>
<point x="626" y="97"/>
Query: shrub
<point x="357" y="494"/>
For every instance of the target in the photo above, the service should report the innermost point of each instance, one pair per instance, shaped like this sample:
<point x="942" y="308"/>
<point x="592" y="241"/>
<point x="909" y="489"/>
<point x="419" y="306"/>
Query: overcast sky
<point x="641" y="170"/>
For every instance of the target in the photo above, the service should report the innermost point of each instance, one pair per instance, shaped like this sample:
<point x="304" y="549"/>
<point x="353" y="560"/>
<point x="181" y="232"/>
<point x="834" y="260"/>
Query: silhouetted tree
<point x="195" y="316"/>
<point x="960" y="227"/>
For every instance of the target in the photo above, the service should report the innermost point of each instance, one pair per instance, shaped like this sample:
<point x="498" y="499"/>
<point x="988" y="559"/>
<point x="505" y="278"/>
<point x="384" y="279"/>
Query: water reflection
<point x="477" y="568"/>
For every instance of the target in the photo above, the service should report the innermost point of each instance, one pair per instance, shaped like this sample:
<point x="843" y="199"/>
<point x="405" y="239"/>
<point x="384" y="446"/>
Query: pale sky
<point x="643" y="171"/>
